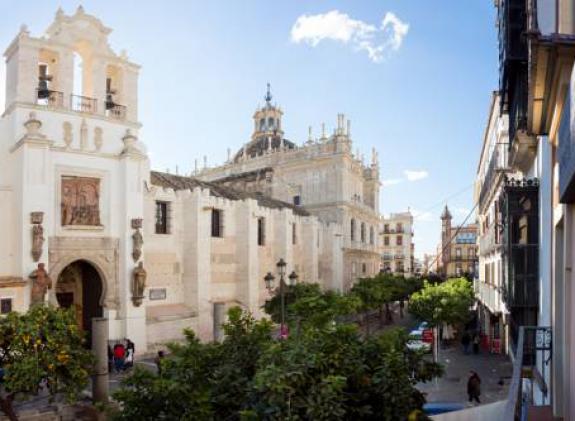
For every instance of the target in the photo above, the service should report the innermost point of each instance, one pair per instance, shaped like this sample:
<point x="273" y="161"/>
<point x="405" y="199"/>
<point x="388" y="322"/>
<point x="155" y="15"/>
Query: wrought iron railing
<point x="497" y="165"/>
<point x="116" y="111"/>
<point x="393" y="230"/>
<point x="83" y="104"/>
<point x="490" y="295"/>
<point x="531" y="368"/>
<point x="49" y="98"/>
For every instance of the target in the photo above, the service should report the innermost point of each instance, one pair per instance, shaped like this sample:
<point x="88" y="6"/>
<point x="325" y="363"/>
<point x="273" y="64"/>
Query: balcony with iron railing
<point x="498" y="165"/>
<point x="529" y="395"/>
<point x="489" y="295"/>
<point x="489" y="241"/>
<point x="397" y="230"/>
<point x="464" y="258"/>
<point x="78" y="103"/>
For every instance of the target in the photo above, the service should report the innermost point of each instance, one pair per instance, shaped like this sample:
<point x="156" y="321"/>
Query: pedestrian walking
<point x="474" y="386"/>
<point x="158" y="361"/>
<point x="119" y="356"/>
<point x="130" y="351"/>
<point x="465" y="341"/>
<point x="476" y="342"/>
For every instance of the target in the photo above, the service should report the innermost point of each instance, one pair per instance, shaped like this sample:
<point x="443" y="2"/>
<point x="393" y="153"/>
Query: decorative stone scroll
<point x="138" y="284"/>
<point x="37" y="234"/>
<point x="80" y="203"/>
<point x="41" y="284"/>
<point x="137" y="239"/>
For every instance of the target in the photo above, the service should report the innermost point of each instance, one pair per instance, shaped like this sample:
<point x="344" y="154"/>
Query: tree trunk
<point x="7" y="408"/>
<point x="381" y="319"/>
<point x="389" y="316"/>
<point x="366" y="319"/>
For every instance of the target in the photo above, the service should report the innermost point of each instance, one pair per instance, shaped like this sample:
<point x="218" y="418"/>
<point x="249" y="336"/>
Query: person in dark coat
<point x="474" y="386"/>
<point x="476" y="342"/>
<point x="465" y="341"/>
<point x="158" y="361"/>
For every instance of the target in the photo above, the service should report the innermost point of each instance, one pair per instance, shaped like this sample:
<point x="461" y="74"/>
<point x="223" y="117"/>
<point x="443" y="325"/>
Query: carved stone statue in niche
<point x="80" y="203"/>
<point x="37" y="234"/>
<point x="67" y="126"/>
<point x="41" y="284"/>
<point x="137" y="239"/>
<point x="138" y="284"/>
<point x="83" y="135"/>
<point x="98" y="138"/>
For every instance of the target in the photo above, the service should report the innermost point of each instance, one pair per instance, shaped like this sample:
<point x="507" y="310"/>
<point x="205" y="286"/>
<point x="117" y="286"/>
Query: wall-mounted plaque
<point x="80" y="203"/>
<point x="157" y="294"/>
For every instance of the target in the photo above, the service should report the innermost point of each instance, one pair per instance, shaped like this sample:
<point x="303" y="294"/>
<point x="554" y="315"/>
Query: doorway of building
<point x="79" y="286"/>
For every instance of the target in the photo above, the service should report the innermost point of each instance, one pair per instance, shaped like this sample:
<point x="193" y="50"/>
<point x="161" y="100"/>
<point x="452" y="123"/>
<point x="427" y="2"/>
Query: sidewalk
<point x="452" y="387"/>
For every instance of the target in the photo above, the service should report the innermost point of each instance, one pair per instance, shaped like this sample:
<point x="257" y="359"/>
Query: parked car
<point x="416" y="339"/>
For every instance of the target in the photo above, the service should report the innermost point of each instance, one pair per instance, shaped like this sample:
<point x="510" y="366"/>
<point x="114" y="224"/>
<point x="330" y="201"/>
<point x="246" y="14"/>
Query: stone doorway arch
<point x="80" y="286"/>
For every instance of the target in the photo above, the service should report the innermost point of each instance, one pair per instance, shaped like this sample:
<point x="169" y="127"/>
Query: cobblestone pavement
<point x="452" y="387"/>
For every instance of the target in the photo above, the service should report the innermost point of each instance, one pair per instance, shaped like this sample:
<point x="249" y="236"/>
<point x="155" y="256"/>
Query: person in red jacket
<point x="119" y="356"/>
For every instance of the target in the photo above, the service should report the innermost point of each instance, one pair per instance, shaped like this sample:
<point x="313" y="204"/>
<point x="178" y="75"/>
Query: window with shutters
<point x="399" y="240"/>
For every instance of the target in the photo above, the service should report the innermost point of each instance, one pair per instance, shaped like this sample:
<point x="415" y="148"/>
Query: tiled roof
<point x="179" y="182"/>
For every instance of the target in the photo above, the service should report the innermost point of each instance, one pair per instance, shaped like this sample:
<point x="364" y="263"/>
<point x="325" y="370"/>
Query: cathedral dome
<point x="268" y="133"/>
<point x="261" y="144"/>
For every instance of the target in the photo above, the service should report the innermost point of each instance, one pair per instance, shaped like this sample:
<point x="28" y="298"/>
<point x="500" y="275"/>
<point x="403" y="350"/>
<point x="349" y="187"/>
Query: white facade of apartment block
<point x="397" y="255"/>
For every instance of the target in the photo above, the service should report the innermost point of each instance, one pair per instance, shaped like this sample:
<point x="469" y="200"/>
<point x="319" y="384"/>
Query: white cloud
<point x="363" y="36"/>
<point x="391" y="182"/>
<point x="414" y="175"/>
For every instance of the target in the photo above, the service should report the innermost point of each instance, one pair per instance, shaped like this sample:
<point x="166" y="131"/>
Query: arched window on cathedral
<point x="262" y="124"/>
<point x="362" y="232"/>
<point x="270" y="123"/>
<point x="371" y="236"/>
<point x="352" y="229"/>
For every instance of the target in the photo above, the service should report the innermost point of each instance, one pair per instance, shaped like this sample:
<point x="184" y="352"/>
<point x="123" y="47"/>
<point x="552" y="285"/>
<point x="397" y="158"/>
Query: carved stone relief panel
<point x="80" y="203"/>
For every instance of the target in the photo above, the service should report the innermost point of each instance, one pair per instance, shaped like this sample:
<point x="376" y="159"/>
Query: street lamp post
<point x="269" y="281"/>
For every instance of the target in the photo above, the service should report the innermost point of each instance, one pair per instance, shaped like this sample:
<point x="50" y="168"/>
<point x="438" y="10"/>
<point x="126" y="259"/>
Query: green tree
<point x="41" y="348"/>
<point x="327" y="372"/>
<point x="369" y="294"/>
<point x="200" y="381"/>
<point x="335" y="374"/>
<point x="448" y="302"/>
<point x="307" y="305"/>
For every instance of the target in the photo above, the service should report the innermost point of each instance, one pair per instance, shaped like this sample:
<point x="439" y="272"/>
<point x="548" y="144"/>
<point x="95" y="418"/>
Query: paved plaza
<point x="452" y="387"/>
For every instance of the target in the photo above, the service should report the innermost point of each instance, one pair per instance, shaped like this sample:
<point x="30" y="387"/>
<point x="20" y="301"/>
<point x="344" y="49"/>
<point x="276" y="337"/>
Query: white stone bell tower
<point x="69" y="150"/>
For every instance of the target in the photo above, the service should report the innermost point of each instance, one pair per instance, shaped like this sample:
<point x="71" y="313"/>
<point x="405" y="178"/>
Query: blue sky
<point x="422" y="104"/>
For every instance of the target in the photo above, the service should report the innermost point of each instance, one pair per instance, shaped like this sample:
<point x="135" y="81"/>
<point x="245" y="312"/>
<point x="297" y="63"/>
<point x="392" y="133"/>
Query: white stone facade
<point x="324" y="177"/>
<point x="77" y="194"/>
